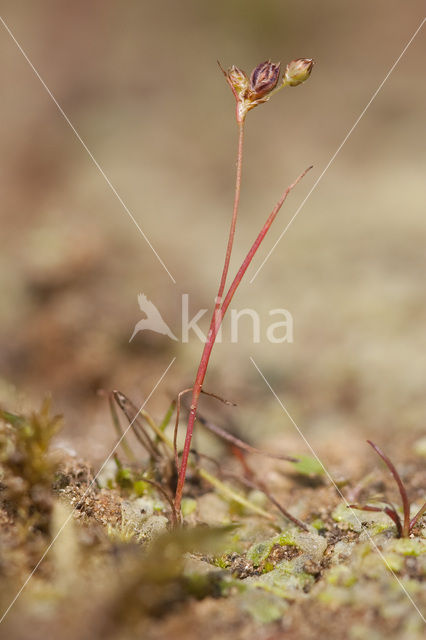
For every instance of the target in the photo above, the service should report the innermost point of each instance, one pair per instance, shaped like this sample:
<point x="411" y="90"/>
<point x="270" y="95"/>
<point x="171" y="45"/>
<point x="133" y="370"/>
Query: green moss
<point x="409" y="546"/>
<point x="286" y="579"/>
<point x="267" y="567"/>
<point x="260" y="551"/>
<point x="379" y="527"/>
<point x="285" y="538"/>
<point x="222" y="562"/>
<point x="27" y="470"/>
<point x="318" y="524"/>
<point x="377" y="521"/>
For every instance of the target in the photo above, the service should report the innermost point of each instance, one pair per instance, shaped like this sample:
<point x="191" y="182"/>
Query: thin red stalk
<point x="395" y="517"/>
<point x="216" y="322"/>
<point x="418" y="515"/>
<point x="365" y="508"/>
<point x="390" y="511"/>
<point x="402" y="491"/>
<point x="256" y="244"/>
<point x="234" y="216"/>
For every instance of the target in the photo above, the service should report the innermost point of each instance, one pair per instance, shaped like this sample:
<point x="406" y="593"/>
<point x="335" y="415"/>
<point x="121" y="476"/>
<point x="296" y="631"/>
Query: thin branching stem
<point x="214" y="328"/>
<point x="403" y="529"/>
<point x="178" y="410"/>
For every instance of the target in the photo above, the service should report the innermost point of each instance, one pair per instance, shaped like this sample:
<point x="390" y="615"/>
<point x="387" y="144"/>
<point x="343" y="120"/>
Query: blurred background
<point x="140" y="83"/>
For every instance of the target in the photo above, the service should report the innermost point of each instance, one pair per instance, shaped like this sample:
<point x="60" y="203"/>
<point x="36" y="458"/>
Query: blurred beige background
<point x="139" y="82"/>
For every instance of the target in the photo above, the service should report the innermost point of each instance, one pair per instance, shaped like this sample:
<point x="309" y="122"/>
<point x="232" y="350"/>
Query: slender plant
<point x="248" y="94"/>
<point x="404" y="527"/>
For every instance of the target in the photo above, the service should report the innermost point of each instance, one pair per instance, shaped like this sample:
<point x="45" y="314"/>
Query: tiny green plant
<point x="406" y="526"/>
<point x="248" y="93"/>
<point x="27" y="469"/>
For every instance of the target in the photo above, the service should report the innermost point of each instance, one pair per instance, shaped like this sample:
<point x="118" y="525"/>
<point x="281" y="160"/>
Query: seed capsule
<point x="297" y="71"/>
<point x="264" y="79"/>
<point x="238" y="79"/>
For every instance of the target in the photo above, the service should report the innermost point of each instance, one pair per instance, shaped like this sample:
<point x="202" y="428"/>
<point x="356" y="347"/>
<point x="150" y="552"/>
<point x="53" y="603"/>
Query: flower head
<point x="263" y="82"/>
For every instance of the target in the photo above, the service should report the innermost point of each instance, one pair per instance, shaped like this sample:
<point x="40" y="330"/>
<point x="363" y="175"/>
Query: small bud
<point x="237" y="79"/>
<point x="297" y="71"/>
<point x="264" y="79"/>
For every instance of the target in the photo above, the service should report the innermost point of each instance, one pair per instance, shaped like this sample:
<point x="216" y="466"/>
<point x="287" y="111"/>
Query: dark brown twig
<point x="257" y="484"/>
<point x="131" y="412"/>
<point x="240" y="444"/>
<point x="117" y="426"/>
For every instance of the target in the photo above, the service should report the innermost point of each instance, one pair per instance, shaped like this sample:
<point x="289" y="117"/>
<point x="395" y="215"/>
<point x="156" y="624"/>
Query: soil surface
<point x="116" y="567"/>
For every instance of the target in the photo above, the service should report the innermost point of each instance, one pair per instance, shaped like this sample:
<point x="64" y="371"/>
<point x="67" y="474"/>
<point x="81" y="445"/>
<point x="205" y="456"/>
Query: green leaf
<point x="308" y="466"/>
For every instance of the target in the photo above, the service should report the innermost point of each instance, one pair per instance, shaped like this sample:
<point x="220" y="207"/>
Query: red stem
<point x="216" y="322"/>
<point x="418" y="515"/>
<point x="390" y="511"/>
<point x="402" y="491"/>
<point x="256" y="244"/>
<point x="234" y="216"/>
